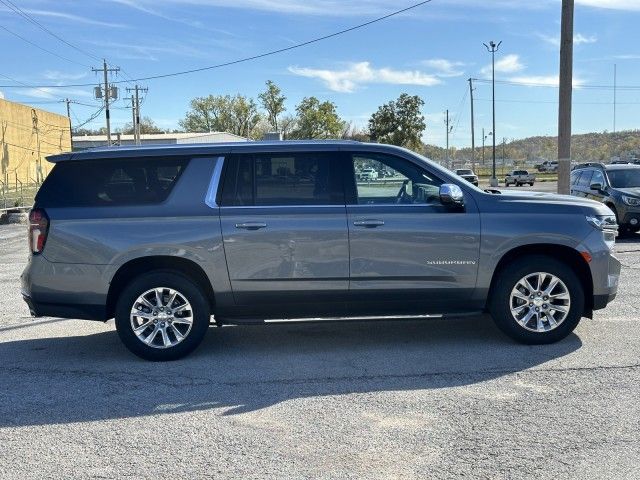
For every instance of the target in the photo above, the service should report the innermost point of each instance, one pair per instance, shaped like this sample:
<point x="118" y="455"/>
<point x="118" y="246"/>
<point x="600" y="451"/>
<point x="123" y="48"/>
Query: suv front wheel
<point x="537" y="300"/>
<point x="162" y="315"/>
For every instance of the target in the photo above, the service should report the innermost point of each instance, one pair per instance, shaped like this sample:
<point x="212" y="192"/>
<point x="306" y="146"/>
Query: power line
<point x="42" y="48"/>
<point x="25" y="84"/>
<point x="251" y="58"/>
<point x="29" y="18"/>
<point x="547" y="85"/>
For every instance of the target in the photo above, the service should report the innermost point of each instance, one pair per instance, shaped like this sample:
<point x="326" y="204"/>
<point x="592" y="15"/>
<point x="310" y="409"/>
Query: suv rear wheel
<point x="162" y="315"/>
<point x="537" y="300"/>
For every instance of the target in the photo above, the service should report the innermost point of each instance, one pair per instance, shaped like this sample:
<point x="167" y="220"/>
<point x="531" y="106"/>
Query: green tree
<point x="399" y="122"/>
<point x="222" y="113"/>
<point x="272" y="101"/>
<point x="317" y="120"/>
<point x="147" y="125"/>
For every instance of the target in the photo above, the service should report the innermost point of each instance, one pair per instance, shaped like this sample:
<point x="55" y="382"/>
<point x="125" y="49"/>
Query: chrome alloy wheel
<point x="161" y="317"/>
<point x="540" y="302"/>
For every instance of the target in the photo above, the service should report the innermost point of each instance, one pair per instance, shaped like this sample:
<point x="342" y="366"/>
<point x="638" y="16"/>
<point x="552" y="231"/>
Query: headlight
<point x="603" y="222"/>
<point x="631" y="201"/>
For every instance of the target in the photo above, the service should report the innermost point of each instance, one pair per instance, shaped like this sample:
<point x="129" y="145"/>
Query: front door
<point x="409" y="253"/>
<point x="285" y="235"/>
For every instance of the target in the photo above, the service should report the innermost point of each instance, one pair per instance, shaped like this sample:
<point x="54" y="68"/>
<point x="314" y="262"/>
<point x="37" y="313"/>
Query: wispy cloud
<point x="49" y="93"/>
<point x="1" y="94"/>
<point x="444" y="68"/>
<point x="543" y="80"/>
<point x="358" y="74"/>
<point x="631" y="5"/>
<point x="508" y="64"/>
<point x="57" y="76"/>
<point x="578" y="39"/>
<point x="150" y="52"/>
<point x="74" y="18"/>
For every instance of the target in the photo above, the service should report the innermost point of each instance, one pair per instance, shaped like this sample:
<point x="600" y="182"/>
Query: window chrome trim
<point x="210" y="198"/>
<point x="341" y="205"/>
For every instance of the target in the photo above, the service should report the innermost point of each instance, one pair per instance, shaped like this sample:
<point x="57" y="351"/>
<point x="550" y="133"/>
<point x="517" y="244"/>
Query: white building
<point x="82" y="142"/>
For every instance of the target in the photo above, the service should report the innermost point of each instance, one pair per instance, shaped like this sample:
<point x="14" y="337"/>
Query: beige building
<point x="27" y="136"/>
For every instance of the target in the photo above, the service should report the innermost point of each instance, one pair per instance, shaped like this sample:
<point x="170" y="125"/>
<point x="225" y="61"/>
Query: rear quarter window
<point x="95" y="183"/>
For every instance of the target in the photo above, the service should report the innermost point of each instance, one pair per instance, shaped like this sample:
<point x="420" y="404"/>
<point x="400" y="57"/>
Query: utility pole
<point x="68" y="102"/>
<point x="504" y="157"/>
<point x="483" y="139"/>
<point x="615" y="94"/>
<point x="492" y="48"/>
<point x="107" y="93"/>
<point x="133" y="119"/>
<point x="473" y="133"/>
<point x="448" y="132"/>
<point x="565" y="94"/>
<point x="136" y="118"/>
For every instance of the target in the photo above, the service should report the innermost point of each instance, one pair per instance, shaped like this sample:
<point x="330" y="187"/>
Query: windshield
<point x="624" y="178"/>
<point x="464" y="172"/>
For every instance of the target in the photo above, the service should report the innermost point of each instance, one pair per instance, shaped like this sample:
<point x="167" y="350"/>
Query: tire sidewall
<point x="500" y="307"/>
<point x="148" y="281"/>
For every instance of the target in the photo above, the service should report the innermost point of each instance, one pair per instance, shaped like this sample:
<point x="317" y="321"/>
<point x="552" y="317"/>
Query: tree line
<point x="398" y="122"/>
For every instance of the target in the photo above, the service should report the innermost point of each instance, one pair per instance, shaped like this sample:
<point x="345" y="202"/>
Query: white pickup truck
<point x="519" y="178"/>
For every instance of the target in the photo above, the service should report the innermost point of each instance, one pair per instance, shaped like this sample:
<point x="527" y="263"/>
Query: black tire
<point x="507" y="279"/>
<point x="623" y="230"/>
<point x="201" y="314"/>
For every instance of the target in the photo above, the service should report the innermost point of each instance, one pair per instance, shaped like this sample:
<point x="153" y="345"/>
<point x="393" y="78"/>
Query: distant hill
<point x="586" y="147"/>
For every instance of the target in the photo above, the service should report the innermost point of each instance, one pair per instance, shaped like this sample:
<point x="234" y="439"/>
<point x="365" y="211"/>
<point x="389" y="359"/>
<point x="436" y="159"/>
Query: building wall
<point x="27" y="136"/>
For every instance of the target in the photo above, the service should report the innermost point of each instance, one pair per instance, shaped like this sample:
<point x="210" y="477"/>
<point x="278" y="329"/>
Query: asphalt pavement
<point x="383" y="399"/>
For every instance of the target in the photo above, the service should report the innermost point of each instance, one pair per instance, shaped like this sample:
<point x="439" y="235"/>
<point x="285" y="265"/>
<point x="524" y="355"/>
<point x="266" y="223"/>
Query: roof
<point x="100" y="153"/>
<point x="608" y="167"/>
<point x="153" y="136"/>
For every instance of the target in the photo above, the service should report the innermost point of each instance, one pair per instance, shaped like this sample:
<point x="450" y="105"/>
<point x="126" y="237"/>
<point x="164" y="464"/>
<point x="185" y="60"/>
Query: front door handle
<point x="251" y="225"/>
<point x="369" y="223"/>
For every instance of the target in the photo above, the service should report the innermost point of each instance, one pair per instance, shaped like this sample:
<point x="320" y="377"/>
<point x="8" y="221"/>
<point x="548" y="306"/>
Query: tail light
<point x="38" y="229"/>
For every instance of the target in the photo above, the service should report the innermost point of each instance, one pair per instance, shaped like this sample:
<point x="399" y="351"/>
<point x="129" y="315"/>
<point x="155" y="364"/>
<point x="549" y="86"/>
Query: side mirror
<point x="451" y="194"/>
<point x="598" y="187"/>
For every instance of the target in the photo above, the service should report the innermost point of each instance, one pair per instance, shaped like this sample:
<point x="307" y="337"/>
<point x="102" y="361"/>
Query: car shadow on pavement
<point x="67" y="379"/>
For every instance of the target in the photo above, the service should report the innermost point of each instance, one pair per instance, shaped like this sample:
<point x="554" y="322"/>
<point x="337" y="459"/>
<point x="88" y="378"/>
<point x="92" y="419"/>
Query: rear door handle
<point x="251" y="225"/>
<point x="369" y="223"/>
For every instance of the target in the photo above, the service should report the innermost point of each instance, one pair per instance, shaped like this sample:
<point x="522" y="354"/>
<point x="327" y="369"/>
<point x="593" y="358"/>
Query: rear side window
<point x="282" y="179"/>
<point x="97" y="183"/>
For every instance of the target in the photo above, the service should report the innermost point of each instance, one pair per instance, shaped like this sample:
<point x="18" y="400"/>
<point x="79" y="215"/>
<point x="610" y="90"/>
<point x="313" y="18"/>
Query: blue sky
<point x="429" y="51"/>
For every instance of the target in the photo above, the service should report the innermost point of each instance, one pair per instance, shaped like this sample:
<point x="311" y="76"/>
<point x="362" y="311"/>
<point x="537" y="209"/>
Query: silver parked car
<point x="167" y="239"/>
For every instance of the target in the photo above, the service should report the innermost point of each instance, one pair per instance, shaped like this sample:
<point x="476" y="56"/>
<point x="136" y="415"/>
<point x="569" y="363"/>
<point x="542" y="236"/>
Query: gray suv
<point x="615" y="185"/>
<point x="163" y="238"/>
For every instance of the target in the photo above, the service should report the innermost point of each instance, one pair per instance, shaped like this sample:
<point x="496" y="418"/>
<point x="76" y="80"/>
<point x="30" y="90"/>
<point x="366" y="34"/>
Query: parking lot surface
<point x="384" y="399"/>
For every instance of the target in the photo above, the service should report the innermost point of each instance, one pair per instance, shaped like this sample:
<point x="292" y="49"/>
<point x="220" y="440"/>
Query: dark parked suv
<point x="163" y="238"/>
<point x="615" y="185"/>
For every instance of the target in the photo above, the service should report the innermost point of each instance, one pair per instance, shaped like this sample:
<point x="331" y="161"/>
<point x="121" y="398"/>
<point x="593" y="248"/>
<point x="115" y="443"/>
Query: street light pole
<point x="493" y="48"/>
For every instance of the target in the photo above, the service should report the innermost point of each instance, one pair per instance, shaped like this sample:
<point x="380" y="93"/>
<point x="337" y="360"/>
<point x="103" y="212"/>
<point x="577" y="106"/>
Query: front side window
<point x="585" y="179"/>
<point x="281" y="179"/>
<point x="387" y="180"/>
<point x="598" y="177"/>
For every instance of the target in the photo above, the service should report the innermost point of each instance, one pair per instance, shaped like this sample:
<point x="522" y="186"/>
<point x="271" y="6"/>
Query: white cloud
<point x="358" y="74"/>
<point x="56" y="75"/>
<point x="507" y="64"/>
<point x="1" y="95"/>
<point x="578" y="39"/>
<point x="53" y="93"/>
<point x="74" y="18"/>
<point x="633" y="5"/>
<point x="444" y="68"/>
<point x="543" y="80"/>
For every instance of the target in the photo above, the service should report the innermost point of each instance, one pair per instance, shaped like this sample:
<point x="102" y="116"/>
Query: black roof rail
<point x="589" y="164"/>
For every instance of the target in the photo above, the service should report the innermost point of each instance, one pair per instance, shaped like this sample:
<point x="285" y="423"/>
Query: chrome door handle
<point x="369" y="223"/>
<point x="251" y="225"/>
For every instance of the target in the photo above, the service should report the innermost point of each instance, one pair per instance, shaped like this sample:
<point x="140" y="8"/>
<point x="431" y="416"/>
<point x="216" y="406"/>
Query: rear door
<point x="285" y="236"/>
<point x="409" y="253"/>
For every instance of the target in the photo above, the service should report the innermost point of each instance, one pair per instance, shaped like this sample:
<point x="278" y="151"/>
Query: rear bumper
<point x="64" y="290"/>
<point x="61" y="310"/>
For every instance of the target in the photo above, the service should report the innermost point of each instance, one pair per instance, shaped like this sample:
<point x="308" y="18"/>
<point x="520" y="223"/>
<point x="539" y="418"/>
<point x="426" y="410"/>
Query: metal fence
<point x="18" y="194"/>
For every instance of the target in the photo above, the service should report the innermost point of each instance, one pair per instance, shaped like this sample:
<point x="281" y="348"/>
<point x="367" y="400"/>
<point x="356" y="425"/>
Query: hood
<point x="635" y="191"/>
<point x="541" y="202"/>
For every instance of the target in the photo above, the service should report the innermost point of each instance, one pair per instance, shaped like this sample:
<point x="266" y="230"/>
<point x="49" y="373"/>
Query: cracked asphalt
<point x="385" y="399"/>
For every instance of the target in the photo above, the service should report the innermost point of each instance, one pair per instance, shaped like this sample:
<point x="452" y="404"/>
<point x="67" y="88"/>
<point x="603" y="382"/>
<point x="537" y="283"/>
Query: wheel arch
<point x="562" y="253"/>
<point x="137" y="266"/>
